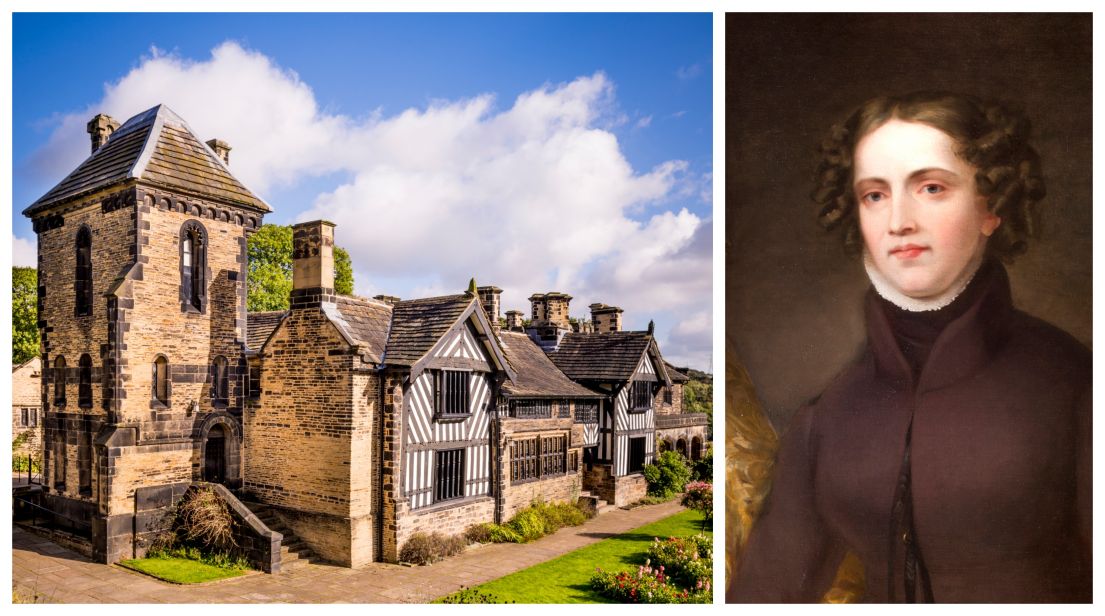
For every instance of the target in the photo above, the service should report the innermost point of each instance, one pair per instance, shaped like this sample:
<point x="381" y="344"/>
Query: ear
<point x="990" y="224"/>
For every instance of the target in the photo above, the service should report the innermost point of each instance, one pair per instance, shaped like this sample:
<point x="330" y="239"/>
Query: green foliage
<point x="428" y="548"/>
<point x="472" y="595"/>
<point x="700" y="497"/>
<point x="533" y="522"/>
<point x="20" y="461"/>
<point x="698" y="397"/>
<point x="24" y="314"/>
<point x="645" y="585"/>
<point x="566" y="579"/>
<point x="668" y="475"/>
<point x="703" y="468"/>
<point x="270" y="269"/>
<point x="689" y="561"/>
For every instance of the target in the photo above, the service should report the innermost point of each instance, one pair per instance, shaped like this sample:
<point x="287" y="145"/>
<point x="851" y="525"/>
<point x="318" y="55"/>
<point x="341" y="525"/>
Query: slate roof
<point x="417" y="324"/>
<point x="609" y="356"/>
<point x="537" y="375"/>
<point x="367" y="322"/>
<point x="676" y="376"/>
<point x="260" y="327"/>
<point x="155" y="146"/>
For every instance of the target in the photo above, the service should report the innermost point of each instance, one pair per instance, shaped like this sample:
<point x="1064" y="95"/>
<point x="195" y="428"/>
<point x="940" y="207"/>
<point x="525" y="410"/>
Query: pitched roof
<point x="609" y="356"/>
<point x="367" y="322"/>
<point x="537" y="375"/>
<point x="676" y="375"/>
<point x="417" y="324"/>
<point x="260" y="326"/>
<point x="155" y="146"/>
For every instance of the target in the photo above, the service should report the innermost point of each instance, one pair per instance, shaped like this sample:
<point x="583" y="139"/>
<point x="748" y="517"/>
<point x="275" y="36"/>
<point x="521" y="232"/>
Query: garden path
<point x="56" y="575"/>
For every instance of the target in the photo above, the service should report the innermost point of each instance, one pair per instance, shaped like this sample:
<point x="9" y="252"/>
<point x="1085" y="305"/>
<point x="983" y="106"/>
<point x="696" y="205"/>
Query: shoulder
<point x="1041" y="346"/>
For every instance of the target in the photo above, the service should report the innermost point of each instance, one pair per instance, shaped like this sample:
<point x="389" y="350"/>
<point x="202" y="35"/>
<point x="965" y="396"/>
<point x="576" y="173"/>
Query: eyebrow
<point x="912" y="176"/>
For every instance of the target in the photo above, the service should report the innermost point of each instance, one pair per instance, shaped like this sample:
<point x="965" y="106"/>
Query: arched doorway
<point x="214" y="455"/>
<point x="681" y="447"/>
<point x="696" y="448"/>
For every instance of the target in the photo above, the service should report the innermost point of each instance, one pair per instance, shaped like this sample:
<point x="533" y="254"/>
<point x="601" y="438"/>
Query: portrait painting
<point x="908" y="308"/>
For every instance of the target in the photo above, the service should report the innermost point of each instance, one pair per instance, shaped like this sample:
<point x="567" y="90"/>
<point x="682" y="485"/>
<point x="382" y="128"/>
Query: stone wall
<point x="27" y="401"/>
<point x="448" y="518"/>
<point x="663" y="408"/>
<point x="558" y="489"/>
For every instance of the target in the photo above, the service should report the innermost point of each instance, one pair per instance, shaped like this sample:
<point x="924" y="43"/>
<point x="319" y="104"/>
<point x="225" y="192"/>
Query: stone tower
<point x="142" y="314"/>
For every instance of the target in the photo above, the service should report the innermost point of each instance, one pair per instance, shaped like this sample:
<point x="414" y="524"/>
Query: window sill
<point x="639" y="411"/>
<point x="158" y="404"/>
<point x="442" y="418"/>
<point x="451" y="503"/>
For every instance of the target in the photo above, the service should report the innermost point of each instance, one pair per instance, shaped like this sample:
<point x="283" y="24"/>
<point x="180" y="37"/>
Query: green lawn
<point x="180" y="570"/>
<point x="567" y="579"/>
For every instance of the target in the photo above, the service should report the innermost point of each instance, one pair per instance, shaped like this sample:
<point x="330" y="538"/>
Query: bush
<point x="204" y="519"/>
<point x="646" y="585"/>
<point x="700" y="497"/>
<point x="688" y="560"/>
<point x="668" y="475"/>
<point x="425" y="549"/>
<point x="586" y="506"/>
<point x="534" y="522"/>
<point x="478" y="533"/>
<point x="703" y="468"/>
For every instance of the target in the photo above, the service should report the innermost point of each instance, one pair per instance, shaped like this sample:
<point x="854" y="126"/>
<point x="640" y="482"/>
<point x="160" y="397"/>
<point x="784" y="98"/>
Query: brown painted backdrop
<point x="792" y="296"/>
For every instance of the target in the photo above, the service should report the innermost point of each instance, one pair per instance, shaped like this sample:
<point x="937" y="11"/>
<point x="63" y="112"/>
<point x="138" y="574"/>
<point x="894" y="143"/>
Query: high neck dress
<point x="994" y="407"/>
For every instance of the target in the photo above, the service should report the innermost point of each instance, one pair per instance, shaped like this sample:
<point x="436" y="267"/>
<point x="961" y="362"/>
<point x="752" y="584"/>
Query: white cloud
<point x="688" y="72"/>
<point x="534" y="196"/>
<point x="644" y="122"/>
<point x="24" y="252"/>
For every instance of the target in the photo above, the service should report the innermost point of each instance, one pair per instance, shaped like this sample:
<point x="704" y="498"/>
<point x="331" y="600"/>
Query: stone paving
<point x="50" y="573"/>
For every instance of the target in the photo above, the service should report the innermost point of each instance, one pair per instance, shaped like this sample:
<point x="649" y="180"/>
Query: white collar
<point x="887" y="291"/>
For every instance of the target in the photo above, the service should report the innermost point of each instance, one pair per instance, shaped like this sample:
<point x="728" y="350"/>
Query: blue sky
<point x="536" y="152"/>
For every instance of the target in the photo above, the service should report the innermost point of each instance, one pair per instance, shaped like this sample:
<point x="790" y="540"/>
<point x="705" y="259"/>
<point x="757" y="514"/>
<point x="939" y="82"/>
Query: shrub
<point x="533" y="522"/>
<point x="204" y="519"/>
<point x="700" y="497"/>
<point x="688" y="560"/>
<point x="703" y="468"/>
<point x="425" y="549"/>
<point x="471" y="595"/>
<point x="646" y="585"/>
<point x="478" y="533"/>
<point x="500" y="533"/>
<point x="586" y="506"/>
<point x="668" y="475"/>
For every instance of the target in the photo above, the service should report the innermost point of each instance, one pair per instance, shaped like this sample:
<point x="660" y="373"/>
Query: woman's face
<point x="923" y="222"/>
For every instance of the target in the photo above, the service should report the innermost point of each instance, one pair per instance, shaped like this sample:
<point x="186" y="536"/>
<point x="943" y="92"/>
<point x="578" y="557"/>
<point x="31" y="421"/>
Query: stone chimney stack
<point x="489" y="297"/>
<point x="100" y="128"/>
<point x="606" y="318"/>
<point x="312" y="264"/>
<point x="514" y="320"/>
<point x="221" y="148"/>
<point x="551" y="309"/>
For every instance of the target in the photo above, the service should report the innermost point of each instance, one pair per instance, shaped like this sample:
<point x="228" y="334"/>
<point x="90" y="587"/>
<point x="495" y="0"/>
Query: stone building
<point x="27" y="406"/>
<point x="676" y="430"/>
<point x="345" y="424"/>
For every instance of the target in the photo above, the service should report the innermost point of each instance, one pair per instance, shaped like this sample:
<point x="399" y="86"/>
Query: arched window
<point x="193" y="263"/>
<point x="82" y="282"/>
<point x="59" y="381"/>
<point x="84" y="391"/>
<point x="161" y="379"/>
<point x="221" y="381"/>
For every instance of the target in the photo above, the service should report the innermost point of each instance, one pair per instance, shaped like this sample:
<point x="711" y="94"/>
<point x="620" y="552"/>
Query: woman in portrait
<point x="952" y="459"/>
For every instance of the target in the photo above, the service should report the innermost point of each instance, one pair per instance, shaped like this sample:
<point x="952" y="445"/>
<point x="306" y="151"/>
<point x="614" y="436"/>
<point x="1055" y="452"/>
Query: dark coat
<point x="1001" y="467"/>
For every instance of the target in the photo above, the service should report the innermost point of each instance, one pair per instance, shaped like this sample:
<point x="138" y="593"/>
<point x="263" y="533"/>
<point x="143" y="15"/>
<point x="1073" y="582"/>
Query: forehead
<point x="898" y="147"/>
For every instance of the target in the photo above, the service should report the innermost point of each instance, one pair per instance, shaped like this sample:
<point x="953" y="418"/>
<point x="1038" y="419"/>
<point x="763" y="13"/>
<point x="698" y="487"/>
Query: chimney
<point x="387" y="299"/>
<point x="101" y="127"/>
<point x="514" y="320"/>
<point x="583" y="326"/>
<point x="606" y="318"/>
<point x="312" y="264"/>
<point x="551" y="309"/>
<point x="221" y="148"/>
<point x="489" y="298"/>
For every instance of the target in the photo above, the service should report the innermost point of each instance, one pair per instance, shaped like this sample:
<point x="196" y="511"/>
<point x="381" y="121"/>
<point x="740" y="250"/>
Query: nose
<point x="902" y="220"/>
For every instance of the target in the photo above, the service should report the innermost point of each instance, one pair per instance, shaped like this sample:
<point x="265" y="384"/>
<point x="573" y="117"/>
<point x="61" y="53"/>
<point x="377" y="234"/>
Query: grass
<point x="181" y="570"/>
<point x="567" y="579"/>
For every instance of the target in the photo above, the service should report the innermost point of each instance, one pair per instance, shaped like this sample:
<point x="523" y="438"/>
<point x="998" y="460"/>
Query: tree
<point x="24" y="314"/>
<point x="270" y="269"/>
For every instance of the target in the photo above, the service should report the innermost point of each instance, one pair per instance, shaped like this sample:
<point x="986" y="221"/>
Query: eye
<point x="873" y="197"/>
<point x="932" y="189"/>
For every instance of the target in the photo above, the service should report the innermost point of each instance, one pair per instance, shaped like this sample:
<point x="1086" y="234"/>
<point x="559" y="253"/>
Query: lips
<point x="907" y="251"/>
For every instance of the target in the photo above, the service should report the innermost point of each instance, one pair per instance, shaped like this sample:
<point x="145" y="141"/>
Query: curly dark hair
<point x="991" y="138"/>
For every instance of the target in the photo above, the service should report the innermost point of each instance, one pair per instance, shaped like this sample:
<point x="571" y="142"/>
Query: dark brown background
<point x="792" y="296"/>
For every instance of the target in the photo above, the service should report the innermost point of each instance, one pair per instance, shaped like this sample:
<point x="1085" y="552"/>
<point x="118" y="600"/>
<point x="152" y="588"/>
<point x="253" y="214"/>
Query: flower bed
<point x="678" y="570"/>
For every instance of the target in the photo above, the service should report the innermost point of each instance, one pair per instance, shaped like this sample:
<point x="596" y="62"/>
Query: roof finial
<point x="651" y="327"/>
<point x="471" y="286"/>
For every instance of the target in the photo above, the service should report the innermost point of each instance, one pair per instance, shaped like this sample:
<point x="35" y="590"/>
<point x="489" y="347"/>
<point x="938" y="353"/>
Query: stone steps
<point x="601" y="506"/>
<point x="294" y="552"/>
